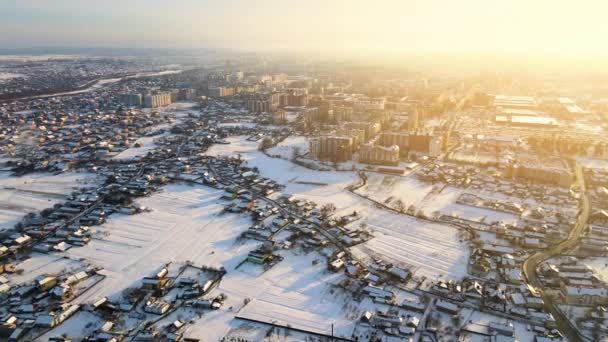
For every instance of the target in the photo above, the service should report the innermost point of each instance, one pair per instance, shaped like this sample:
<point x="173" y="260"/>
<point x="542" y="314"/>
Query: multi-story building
<point x="417" y="143"/>
<point x="357" y="134"/>
<point x="541" y="174"/>
<point x="370" y="128"/>
<point x="395" y="138"/>
<point x="187" y="94"/>
<point x="342" y="114"/>
<point x="297" y="97"/>
<point x="335" y="148"/>
<point x="131" y="100"/>
<point x="221" y="91"/>
<point x="157" y="100"/>
<point x="379" y="155"/>
<point x="279" y="117"/>
<point x="368" y="104"/>
<point x="262" y="102"/>
<point x="413" y="120"/>
<point x="425" y="143"/>
<point x="174" y="95"/>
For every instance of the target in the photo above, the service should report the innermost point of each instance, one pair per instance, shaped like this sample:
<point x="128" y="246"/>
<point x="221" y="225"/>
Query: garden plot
<point x="286" y="148"/>
<point x="297" y="179"/>
<point x="297" y="291"/>
<point x="44" y="264"/>
<point x="433" y="250"/>
<point x="599" y="265"/>
<point x="35" y="192"/>
<point x="185" y="224"/>
<point x="132" y="153"/>
<point x="480" y="215"/>
<point x="386" y="188"/>
<point x="77" y="327"/>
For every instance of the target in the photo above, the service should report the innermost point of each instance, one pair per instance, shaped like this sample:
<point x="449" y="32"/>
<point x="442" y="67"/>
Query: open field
<point x="185" y="224"/>
<point x="34" y="192"/>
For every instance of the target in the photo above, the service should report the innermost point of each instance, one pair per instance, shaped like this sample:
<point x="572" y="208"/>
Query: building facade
<point x="334" y="148"/>
<point x="379" y="155"/>
<point x="157" y="100"/>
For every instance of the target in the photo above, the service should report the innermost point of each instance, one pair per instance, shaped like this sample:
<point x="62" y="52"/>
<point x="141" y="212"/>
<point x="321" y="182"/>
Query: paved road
<point x="531" y="264"/>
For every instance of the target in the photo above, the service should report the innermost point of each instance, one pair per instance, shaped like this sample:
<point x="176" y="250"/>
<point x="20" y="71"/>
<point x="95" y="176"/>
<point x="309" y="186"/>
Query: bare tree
<point x="399" y="206"/>
<point x="327" y="210"/>
<point x="295" y="152"/>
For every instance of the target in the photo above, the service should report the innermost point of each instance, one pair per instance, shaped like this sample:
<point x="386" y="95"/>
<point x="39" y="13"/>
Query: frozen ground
<point x="380" y="187"/>
<point x="8" y="75"/>
<point x="521" y="332"/>
<point x="297" y="179"/>
<point x="594" y="163"/>
<point x="185" y="224"/>
<point x="35" y="192"/>
<point x="295" y="292"/>
<point x="43" y="264"/>
<point x="599" y="266"/>
<point x="285" y="149"/>
<point x="138" y="152"/>
<point x="77" y="327"/>
<point x="433" y="250"/>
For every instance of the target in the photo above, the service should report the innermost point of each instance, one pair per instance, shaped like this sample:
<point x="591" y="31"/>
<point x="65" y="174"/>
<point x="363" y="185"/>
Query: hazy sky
<point x="534" y="27"/>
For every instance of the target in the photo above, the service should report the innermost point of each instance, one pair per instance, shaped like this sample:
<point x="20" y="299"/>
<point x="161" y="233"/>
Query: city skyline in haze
<point x="540" y="29"/>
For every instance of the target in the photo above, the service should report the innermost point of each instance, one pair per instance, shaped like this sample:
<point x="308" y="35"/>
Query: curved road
<point x="531" y="264"/>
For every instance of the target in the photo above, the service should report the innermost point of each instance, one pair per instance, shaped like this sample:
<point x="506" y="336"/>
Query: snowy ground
<point x="599" y="266"/>
<point x="238" y="124"/>
<point x="410" y="191"/>
<point x="8" y="75"/>
<point x="297" y="179"/>
<point x="433" y="249"/>
<point x="185" y="224"/>
<point x="43" y="264"/>
<point x="521" y="332"/>
<point x="35" y="192"/>
<point x="285" y="149"/>
<point x="294" y="292"/>
<point x="77" y="327"/>
<point x="147" y="145"/>
<point x="593" y="163"/>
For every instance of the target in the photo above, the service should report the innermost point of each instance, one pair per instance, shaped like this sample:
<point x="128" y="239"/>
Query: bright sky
<point x="518" y="27"/>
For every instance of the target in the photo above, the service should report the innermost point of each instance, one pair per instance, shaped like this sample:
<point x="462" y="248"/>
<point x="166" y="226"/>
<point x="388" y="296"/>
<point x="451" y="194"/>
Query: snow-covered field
<point x="147" y="145"/>
<point x="8" y="75"/>
<point x="481" y="215"/>
<point x="433" y="250"/>
<point x="185" y="224"/>
<point x="599" y="266"/>
<point x="410" y="191"/>
<point x="593" y="163"/>
<point x="77" y="327"/>
<point x="294" y="292"/>
<point x="43" y="264"/>
<point x="297" y="179"/>
<point x="35" y="192"/>
<point x="285" y="149"/>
